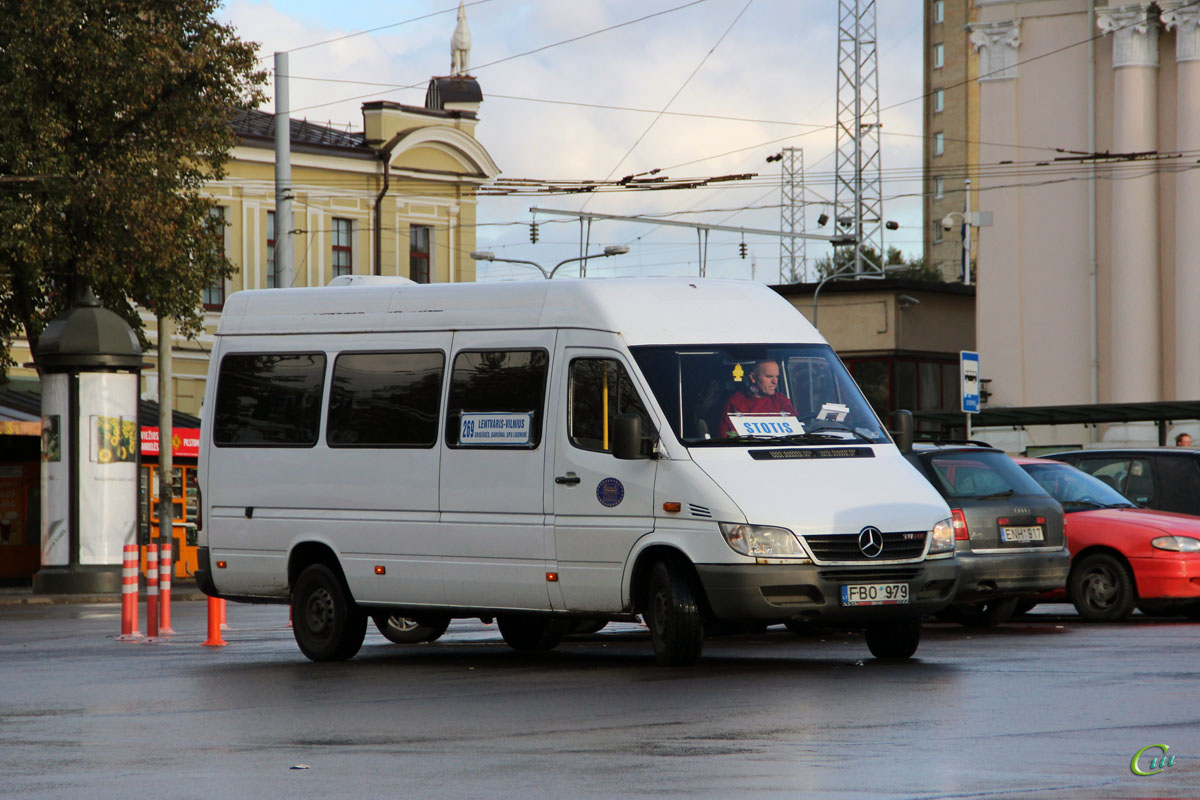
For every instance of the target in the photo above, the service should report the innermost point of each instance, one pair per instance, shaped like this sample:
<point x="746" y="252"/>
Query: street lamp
<point x="611" y="250"/>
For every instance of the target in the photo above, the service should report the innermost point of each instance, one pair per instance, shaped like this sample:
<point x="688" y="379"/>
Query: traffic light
<point x="742" y="249"/>
<point x="533" y="232"/>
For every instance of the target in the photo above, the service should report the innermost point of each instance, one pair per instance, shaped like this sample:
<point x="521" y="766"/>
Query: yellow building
<point x="396" y="198"/>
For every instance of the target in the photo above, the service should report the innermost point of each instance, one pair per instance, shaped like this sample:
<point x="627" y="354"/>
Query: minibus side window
<point x="385" y="400"/>
<point x="497" y="399"/>
<point x="269" y="400"/>
<point x="599" y="390"/>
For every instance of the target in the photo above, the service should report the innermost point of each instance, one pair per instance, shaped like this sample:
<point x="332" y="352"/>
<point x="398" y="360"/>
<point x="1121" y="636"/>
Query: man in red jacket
<point x="760" y="395"/>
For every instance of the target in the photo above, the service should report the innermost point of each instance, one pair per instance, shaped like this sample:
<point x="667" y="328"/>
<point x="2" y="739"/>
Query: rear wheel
<point x="673" y="616"/>
<point x="532" y="634"/>
<point x="407" y="630"/>
<point x="896" y="639"/>
<point x="326" y="622"/>
<point x="1102" y="588"/>
<point x="984" y="614"/>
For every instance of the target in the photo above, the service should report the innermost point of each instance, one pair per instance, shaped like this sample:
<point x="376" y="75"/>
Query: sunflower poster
<point x="114" y="439"/>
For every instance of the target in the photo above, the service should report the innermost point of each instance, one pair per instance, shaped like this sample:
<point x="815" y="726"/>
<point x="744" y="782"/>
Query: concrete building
<point x="900" y="338"/>
<point x="951" y="115"/>
<point x="1088" y="136"/>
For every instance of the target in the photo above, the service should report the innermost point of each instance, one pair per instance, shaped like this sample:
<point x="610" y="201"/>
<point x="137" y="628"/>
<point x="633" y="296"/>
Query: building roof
<point x="21" y="400"/>
<point x="254" y="124"/>
<point x="875" y="285"/>
<point x="1020" y="417"/>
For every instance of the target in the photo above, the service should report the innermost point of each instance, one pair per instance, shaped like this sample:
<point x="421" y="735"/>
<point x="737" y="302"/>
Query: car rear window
<point x="979" y="473"/>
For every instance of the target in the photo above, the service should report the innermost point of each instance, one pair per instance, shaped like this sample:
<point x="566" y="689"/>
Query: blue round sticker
<point x="610" y="492"/>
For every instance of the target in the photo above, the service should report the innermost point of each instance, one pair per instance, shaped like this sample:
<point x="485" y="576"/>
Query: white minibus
<point x="552" y="454"/>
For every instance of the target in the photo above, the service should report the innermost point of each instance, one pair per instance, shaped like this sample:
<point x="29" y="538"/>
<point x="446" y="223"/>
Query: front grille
<point x="897" y="546"/>
<point x="869" y="575"/>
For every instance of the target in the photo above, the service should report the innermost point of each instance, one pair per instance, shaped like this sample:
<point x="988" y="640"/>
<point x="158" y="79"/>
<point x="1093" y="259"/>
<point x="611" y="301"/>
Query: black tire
<point x="673" y="615"/>
<point x="1102" y="588"/>
<point x="406" y="630"/>
<point x="326" y="622"/>
<point x="532" y="634"/>
<point x="1191" y="611"/>
<point x="984" y="614"/>
<point x="587" y="625"/>
<point x="894" y="640"/>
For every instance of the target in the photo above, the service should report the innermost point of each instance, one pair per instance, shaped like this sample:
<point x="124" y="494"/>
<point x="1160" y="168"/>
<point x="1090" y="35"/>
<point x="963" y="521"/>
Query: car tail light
<point x="961" y="532"/>
<point x="1041" y="520"/>
<point x="1002" y="520"/>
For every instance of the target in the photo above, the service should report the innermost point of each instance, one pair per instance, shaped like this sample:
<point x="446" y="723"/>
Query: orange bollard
<point x="151" y="592"/>
<point x="224" y="626"/>
<point x="214" y="623"/>
<point x="129" y="595"/>
<point x="164" y="591"/>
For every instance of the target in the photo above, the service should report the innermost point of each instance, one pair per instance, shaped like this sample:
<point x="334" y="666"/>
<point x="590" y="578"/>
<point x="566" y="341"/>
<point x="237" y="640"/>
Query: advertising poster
<point x="56" y="458"/>
<point x="108" y="438"/>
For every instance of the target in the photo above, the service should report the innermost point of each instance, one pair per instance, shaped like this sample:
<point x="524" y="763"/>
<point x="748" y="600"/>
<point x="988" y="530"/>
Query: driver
<point x="759" y="395"/>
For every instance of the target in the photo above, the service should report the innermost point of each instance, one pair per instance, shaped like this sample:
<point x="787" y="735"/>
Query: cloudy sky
<point x="738" y="80"/>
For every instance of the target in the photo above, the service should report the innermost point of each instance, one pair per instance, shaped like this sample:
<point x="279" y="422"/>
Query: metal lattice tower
<point x="793" y="253"/>
<point x="858" y="190"/>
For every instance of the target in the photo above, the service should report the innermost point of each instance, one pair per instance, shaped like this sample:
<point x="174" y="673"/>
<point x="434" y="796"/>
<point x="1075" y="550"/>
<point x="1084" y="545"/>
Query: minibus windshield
<point x="739" y="394"/>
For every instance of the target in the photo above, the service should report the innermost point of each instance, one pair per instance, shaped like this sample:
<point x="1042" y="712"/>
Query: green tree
<point x="842" y="260"/>
<point x="113" y="115"/>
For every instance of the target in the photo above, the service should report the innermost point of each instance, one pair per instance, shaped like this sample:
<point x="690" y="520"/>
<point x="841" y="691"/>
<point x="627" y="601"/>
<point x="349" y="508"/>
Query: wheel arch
<point x="643" y="565"/>
<point x="305" y="554"/>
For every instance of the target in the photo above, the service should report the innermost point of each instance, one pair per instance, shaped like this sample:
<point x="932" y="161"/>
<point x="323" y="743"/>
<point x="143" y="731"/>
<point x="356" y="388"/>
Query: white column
<point x="1136" y="335"/>
<point x="1184" y="19"/>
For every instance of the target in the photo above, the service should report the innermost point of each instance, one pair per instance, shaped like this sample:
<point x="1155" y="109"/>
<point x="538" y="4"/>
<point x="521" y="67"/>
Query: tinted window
<point x="978" y="473"/>
<point x="600" y="390"/>
<point x="495" y="392"/>
<point x="384" y="400"/>
<point x="269" y="400"/>
<point x="1179" y="478"/>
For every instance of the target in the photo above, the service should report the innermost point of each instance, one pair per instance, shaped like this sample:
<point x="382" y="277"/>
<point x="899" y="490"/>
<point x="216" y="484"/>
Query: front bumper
<point x="781" y="592"/>
<point x="992" y="575"/>
<point x="1167" y="577"/>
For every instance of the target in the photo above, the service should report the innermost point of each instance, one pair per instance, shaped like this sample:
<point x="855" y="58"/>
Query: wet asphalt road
<point x="1046" y="707"/>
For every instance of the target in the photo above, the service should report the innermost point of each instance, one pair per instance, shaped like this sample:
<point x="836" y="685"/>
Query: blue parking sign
<point x="969" y="369"/>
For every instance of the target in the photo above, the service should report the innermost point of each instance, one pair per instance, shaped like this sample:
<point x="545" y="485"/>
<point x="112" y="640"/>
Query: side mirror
<point x="902" y="429"/>
<point x="627" y="437"/>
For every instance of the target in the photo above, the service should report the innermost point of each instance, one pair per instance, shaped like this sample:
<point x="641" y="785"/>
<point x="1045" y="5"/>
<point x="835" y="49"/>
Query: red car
<point x="1122" y="556"/>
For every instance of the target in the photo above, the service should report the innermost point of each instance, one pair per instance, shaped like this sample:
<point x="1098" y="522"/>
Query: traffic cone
<point x="214" y="624"/>
<point x="129" y="595"/>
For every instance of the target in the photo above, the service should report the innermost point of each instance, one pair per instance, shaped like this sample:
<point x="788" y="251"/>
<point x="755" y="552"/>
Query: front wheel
<point x="897" y="639"/>
<point x="406" y="630"/>
<point x="326" y="622"/>
<point x="673" y="616"/>
<point x="1102" y="588"/>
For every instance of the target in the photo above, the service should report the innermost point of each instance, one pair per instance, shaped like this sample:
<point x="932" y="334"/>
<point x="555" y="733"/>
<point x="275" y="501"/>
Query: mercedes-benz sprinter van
<point x="545" y="452"/>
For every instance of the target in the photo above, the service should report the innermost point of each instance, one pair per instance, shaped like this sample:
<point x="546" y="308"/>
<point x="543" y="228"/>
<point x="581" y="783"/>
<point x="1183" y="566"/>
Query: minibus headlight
<point x="941" y="538"/>
<point x="1177" y="544"/>
<point x="762" y="541"/>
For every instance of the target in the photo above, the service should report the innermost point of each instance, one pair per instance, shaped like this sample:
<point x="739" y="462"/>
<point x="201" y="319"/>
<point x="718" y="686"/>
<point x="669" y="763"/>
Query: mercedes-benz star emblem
<point x="870" y="541"/>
